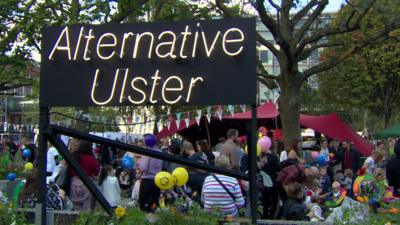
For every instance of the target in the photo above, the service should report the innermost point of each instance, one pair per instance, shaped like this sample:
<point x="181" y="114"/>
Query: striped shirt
<point x="214" y="196"/>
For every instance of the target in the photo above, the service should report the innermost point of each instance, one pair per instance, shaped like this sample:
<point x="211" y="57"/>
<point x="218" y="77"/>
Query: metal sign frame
<point x="51" y="133"/>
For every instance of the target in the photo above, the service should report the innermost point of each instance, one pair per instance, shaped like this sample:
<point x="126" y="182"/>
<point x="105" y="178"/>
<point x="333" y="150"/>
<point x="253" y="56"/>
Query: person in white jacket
<point x="109" y="186"/>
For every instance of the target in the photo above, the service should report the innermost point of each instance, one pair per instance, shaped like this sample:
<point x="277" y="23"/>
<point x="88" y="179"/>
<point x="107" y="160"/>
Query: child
<point x="325" y="180"/>
<point x="348" y="181"/>
<point x="109" y="186"/>
<point x="124" y="180"/>
<point x="336" y="196"/>
<point x="315" y="213"/>
<point x="136" y="188"/>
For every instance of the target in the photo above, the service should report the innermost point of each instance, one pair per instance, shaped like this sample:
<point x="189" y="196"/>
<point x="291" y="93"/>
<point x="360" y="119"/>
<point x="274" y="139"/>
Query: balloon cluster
<point x="166" y="181"/>
<point x="319" y="159"/>
<point x="263" y="145"/>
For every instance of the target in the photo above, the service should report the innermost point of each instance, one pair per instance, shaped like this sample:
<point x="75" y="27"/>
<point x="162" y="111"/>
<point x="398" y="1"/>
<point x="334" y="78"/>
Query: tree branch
<point x="307" y="51"/>
<point x="340" y="29"/>
<point x="310" y="20"/>
<point x="267" y="44"/>
<point x="273" y="4"/>
<point x="266" y="19"/>
<point x="300" y="14"/>
<point x="271" y="84"/>
<point x="334" y="61"/>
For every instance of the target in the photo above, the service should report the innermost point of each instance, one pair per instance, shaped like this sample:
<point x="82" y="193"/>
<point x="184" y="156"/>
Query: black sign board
<point x="204" y="62"/>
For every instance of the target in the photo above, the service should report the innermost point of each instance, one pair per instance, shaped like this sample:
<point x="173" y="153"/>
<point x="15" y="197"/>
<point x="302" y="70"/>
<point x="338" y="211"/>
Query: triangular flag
<point x="231" y="109"/>
<point x="177" y="122"/>
<point x="159" y="126"/>
<point x="178" y="116"/>
<point x="208" y="118"/>
<point x="198" y="120"/>
<point x="199" y="112"/>
<point x="243" y="107"/>
<point x="219" y="112"/>
<point x="187" y="121"/>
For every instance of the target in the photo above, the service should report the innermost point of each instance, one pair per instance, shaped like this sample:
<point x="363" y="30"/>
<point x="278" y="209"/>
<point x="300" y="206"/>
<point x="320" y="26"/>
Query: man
<point x="232" y="150"/>
<point x="392" y="170"/>
<point x="325" y="150"/>
<point x="350" y="158"/>
<point x="335" y="164"/>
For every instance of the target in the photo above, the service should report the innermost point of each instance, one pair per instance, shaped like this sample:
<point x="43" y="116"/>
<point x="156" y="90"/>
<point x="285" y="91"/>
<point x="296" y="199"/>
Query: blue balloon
<point x="321" y="160"/>
<point x="127" y="162"/>
<point x="26" y="153"/>
<point x="11" y="176"/>
<point x="150" y="140"/>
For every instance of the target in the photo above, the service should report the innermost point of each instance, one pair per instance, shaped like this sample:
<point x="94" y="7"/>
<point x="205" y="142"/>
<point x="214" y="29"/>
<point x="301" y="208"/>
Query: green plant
<point x="10" y="215"/>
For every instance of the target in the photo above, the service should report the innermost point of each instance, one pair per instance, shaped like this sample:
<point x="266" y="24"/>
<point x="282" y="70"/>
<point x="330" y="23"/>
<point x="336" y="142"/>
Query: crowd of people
<point x="292" y="184"/>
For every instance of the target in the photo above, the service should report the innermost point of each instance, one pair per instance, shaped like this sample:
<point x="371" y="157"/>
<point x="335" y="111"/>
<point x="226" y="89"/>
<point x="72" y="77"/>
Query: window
<point x="264" y="56"/>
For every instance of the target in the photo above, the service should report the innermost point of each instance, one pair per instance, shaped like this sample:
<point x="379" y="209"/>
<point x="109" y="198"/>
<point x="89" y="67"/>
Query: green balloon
<point x="17" y="191"/>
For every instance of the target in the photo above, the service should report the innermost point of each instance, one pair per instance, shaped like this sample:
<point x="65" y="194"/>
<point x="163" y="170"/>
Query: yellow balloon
<point x="164" y="180"/>
<point x="258" y="150"/>
<point x="260" y="135"/>
<point x="28" y="166"/>
<point x="181" y="175"/>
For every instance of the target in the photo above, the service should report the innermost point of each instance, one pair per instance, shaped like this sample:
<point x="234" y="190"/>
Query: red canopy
<point x="329" y="125"/>
<point x="332" y="126"/>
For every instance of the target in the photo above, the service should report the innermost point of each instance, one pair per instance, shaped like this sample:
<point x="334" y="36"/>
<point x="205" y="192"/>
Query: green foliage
<point x="167" y="216"/>
<point x="10" y="215"/>
<point x="11" y="166"/>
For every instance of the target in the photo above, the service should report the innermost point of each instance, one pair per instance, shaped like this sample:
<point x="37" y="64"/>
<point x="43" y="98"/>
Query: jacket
<point x="294" y="210"/>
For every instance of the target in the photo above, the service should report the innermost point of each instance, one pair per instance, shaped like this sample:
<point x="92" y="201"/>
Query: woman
<point x="202" y="146"/>
<point x="79" y="194"/>
<point x="149" y="193"/>
<point x="29" y="195"/>
<point x="222" y="192"/>
<point x="371" y="163"/>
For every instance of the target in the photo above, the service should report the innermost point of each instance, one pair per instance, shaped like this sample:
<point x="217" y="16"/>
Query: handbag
<point x="225" y="188"/>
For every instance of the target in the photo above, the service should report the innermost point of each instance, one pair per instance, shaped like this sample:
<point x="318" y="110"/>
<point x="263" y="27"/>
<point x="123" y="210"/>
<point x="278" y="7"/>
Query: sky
<point x="334" y="5"/>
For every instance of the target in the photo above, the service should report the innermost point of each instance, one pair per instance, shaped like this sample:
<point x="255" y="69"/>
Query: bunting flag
<point x="208" y="115"/>
<point x="243" y="107"/>
<point x="159" y="126"/>
<point x="208" y="118"/>
<point x="219" y="112"/>
<point x="231" y="109"/>
<point x="198" y="120"/>
<point x="178" y="119"/>
<point x="187" y="122"/>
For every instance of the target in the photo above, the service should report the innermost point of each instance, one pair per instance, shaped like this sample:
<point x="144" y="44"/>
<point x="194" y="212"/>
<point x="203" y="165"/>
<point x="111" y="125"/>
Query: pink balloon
<point x="264" y="143"/>
<point x="314" y="155"/>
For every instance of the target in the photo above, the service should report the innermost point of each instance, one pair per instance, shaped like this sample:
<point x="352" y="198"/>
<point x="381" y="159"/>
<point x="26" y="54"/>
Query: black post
<point x="253" y="164"/>
<point x="42" y="160"/>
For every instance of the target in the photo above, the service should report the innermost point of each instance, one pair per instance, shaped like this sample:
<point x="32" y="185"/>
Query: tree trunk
<point x="289" y="109"/>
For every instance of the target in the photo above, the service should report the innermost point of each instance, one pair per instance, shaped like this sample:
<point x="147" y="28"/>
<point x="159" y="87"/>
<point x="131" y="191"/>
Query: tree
<point x="296" y="34"/>
<point x="369" y="80"/>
